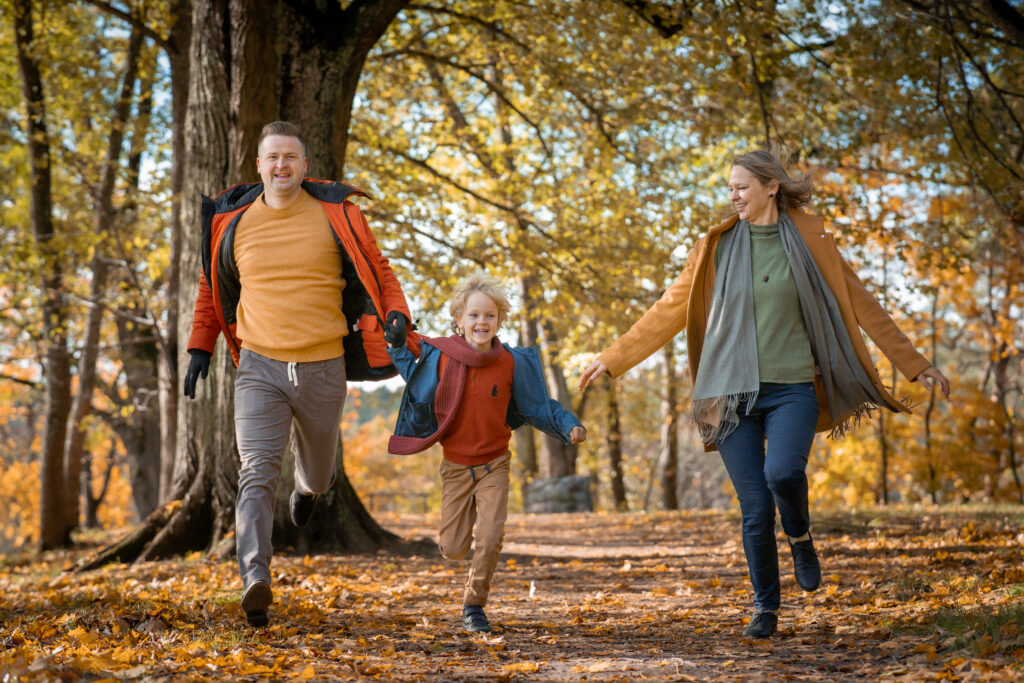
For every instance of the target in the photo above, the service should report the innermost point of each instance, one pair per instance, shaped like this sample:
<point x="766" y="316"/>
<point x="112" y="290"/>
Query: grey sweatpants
<point x="271" y="398"/>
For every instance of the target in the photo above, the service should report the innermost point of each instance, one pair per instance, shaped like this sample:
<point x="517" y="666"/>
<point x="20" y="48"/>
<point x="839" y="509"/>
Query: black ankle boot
<point x="806" y="566"/>
<point x="474" y="620"/>
<point x="762" y="625"/>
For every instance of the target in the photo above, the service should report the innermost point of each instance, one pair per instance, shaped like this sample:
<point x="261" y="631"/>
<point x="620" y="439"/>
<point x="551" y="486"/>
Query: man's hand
<point x="394" y="329"/>
<point x="198" y="366"/>
<point x="578" y="435"/>
<point x="932" y="373"/>
<point x="593" y="371"/>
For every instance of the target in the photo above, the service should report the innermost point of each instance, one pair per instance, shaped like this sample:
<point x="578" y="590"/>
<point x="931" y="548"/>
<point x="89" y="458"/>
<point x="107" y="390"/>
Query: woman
<point x="771" y="312"/>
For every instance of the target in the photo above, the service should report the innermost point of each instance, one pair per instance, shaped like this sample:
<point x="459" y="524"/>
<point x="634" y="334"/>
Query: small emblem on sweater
<point x="494" y="390"/>
<point x="764" y="279"/>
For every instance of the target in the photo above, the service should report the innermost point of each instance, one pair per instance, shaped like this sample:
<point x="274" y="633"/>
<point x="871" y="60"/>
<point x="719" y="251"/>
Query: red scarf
<point x="450" y="388"/>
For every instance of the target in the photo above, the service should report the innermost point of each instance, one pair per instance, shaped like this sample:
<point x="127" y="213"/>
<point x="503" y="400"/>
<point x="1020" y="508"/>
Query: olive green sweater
<point x="783" y="348"/>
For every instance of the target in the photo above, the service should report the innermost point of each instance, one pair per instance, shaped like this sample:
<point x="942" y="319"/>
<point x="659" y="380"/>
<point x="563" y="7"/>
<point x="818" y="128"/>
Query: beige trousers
<point x="474" y="505"/>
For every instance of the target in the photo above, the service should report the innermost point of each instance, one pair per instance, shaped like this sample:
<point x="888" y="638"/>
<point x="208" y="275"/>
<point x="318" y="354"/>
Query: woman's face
<point x="754" y="200"/>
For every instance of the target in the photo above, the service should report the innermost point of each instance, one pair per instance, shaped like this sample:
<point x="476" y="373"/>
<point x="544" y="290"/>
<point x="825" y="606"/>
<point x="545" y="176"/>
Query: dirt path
<point x="576" y="597"/>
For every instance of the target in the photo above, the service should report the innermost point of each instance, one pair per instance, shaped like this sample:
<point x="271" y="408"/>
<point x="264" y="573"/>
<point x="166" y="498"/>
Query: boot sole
<point x="255" y="601"/>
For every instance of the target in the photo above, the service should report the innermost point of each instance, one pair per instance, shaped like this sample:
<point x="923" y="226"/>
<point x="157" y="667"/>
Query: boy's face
<point x="480" y="321"/>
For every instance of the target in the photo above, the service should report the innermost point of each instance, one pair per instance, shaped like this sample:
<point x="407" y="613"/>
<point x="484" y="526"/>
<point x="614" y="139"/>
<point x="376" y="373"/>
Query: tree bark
<point x="669" y="459"/>
<point x="56" y="358"/>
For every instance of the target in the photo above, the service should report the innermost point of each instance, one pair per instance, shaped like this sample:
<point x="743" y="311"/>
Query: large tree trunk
<point x="242" y="75"/>
<point x="56" y="359"/>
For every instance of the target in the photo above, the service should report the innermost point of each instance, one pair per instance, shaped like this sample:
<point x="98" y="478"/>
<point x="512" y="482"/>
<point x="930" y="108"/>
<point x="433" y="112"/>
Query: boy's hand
<point x="578" y="435"/>
<point x="394" y="329"/>
<point x="593" y="371"/>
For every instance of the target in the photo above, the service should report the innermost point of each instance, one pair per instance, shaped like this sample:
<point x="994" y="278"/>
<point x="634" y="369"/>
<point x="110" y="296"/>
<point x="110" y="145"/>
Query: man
<point x="294" y="280"/>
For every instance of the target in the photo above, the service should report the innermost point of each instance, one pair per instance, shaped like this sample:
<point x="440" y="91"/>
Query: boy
<point x="469" y="392"/>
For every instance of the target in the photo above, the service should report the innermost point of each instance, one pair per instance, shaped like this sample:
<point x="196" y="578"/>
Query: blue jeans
<point x="784" y="415"/>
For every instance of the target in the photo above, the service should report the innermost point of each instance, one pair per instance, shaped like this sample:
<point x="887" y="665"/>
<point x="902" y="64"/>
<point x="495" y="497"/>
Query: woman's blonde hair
<point x="485" y="284"/>
<point x="766" y="167"/>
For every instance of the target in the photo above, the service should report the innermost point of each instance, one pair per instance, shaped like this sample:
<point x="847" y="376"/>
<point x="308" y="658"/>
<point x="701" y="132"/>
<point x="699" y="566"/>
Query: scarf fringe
<point x="904" y="400"/>
<point x="852" y="420"/>
<point x="716" y="417"/>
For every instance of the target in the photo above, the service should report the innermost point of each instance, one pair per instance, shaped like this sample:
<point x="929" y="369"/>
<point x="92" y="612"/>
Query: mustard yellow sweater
<point x="289" y="265"/>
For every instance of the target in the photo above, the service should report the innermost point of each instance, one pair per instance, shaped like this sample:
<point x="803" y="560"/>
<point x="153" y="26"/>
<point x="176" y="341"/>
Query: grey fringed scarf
<point x="728" y="367"/>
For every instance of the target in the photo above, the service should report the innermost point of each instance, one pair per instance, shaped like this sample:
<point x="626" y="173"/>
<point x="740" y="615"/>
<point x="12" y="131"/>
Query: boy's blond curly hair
<point x="480" y="282"/>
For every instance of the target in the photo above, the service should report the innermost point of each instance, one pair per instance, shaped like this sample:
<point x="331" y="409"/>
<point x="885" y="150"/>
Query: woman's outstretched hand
<point x="936" y="377"/>
<point x="593" y="371"/>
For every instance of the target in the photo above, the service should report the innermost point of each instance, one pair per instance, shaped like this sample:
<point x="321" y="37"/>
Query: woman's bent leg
<point x="791" y="414"/>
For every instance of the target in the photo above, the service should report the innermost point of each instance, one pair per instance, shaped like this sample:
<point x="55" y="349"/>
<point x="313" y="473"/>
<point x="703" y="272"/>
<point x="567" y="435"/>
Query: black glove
<point x="198" y="367"/>
<point x="394" y="329"/>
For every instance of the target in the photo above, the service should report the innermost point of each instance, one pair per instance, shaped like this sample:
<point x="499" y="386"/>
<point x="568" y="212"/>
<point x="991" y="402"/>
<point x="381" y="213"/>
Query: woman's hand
<point x="593" y="371"/>
<point x="578" y="435"/>
<point x="936" y="377"/>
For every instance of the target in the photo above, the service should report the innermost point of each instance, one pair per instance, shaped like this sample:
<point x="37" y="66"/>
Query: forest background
<point x="575" y="149"/>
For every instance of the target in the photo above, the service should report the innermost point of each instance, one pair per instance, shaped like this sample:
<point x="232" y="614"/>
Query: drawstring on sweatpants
<point x="472" y="472"/>
<point x="293" y="376"/>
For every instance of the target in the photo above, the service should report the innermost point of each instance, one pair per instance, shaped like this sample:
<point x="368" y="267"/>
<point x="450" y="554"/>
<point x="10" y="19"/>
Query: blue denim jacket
<point x="530" y="402"/>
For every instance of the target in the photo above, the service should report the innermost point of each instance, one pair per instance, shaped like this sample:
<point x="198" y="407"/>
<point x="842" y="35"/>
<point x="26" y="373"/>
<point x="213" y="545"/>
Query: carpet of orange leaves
<point x="907" y="596"/>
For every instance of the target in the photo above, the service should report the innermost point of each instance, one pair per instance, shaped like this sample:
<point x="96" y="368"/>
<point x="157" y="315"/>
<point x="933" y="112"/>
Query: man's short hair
<point x="286" y="128"/>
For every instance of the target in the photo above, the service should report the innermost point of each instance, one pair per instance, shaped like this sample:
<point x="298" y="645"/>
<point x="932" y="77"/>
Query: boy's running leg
<point x="458" y="514"/>
<point x="491" y="495"/>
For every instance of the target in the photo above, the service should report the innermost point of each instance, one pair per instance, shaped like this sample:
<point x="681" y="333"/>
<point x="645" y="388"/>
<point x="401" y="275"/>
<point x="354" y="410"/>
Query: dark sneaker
<point x="806" y="567"/>
<point x="301" y="506"/>
<point x="255" y="601"/>
<point x="474" y="620"/>
<point x="762" y="625"/>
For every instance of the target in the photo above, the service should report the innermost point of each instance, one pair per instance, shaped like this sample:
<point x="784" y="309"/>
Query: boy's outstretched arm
<point x="403" y="359"/>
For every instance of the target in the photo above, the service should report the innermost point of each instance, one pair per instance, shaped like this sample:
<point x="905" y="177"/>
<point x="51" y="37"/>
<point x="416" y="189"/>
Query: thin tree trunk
<point x="556" y="458"/>
<point x="56" y="358"/>
<point x="98" y="288"/>
<point x="933" y="485"/>
<point x="178" y="45"/>
<point x="1001" y="382"/>
<point x="669" y="460"/>
<point x="613" y="441"/>
<point x="526" y="444"/>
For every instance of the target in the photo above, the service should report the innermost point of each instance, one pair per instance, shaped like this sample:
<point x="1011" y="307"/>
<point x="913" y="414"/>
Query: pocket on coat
<point x="418" y="420"/>
<point x="374" y="345"/>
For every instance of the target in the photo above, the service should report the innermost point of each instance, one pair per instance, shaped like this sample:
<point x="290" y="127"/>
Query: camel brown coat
<point x="687" y="302"/>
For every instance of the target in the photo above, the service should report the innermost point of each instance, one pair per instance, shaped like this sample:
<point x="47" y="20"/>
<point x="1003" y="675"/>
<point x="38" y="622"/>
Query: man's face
<point x="282" y="164"/>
